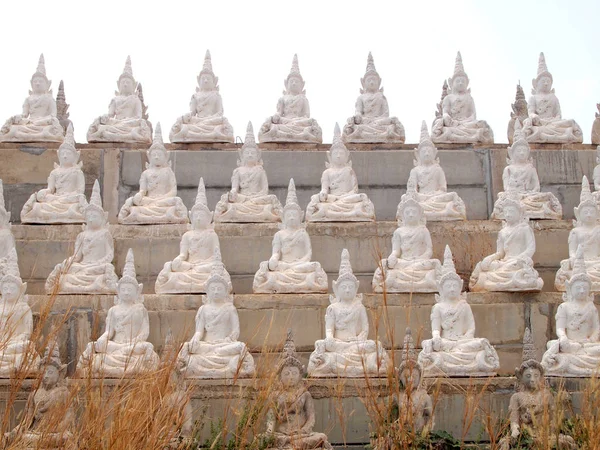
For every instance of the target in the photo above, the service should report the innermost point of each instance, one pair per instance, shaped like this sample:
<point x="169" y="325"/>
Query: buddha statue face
<point x="126" y="86"/>
<point x="158" y="158"/>
<point x="339" y="157"/>
<point x="580" y="291"/>
<point x="67" y="157"/>
<point x="427" y="154"/>
<point x="201" y="219"/>
<point x="459" y="84"/>
<point x="290" y="376"/>
<point x="294" y="85"/>
<point x="410" y="378"/>
<point x="217" y="292"/>
<point x="531" y="379"/>
<point x="207" y="82"/>
<point x="94" y="219"/>
<point x="588" y="215"/>
<point x="512" y="214"/>
<point x="291" y="219"/>
<point x="411" y="216"/>
<point x="543" y="85"/>
<point x="250" y="156"/>
<point x="346" y="291"/>
<point x="372" y="83"/>
<point x="50" y="377"/>
<point x="450" y="290"/>
<point x="128" y="293"/>
<point x="520" y="154"/>
<point x="10" y="291"/>
<point x="39" y="85"/>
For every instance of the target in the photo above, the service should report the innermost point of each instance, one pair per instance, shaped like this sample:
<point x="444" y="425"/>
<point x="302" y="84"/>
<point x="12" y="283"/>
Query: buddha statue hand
<point x="392" y="260"/>
<point x="437" y="343"/>
<point x="101" y="344"/>
<point x="323" y="196"/>
<point x="488" y="260"/>
<point x="176" y="264"/>
<point x="17" y="119"/>
<point x="358" y="119"/>
<point x="568" y="346"/>
<point x="448" y="121"/>
<point x="273" y="262"/>
<point x="186" y="118"/>
<point x="275" y="118"/>
<point x="137" y="198"/>
<point x="41" y="195"/>
<point x="104" y="119"/>
<point x="232" y="197"/>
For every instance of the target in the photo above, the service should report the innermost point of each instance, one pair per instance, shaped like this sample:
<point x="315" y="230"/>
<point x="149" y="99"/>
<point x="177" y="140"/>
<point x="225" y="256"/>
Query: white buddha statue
<point x="371" y="121"/>
<point x="346" y="351"/>
<point x="410" y="266"/>
<point x="17" y="353"/>
<point x="157" y="201"/>
<point x="545" y="123"/>
<point x="292" y="121"/>
<point x="576" y="352"/>
<point x="290" y="270"/>
<point x="199" y="251"/>
<point x="453" y="349"/>
<point x="458" y="122"/>
<point x="214" y="351"/>
<point x="205" y="121"/>
<point x="37" y="122"/>
<point x="7" y="240"/>
<point x="510" y="268"/>
<point x="339" y="200"/>
<point x="122" y="350"/>
<point x="63" y="201"/>
<point x="520" y="180"/>
<point x="596" y="127"/>
<point x="89" y="270"/>
<point x="124" y="121"/>
<point x="585" y="234"/>
<point x="429" y="181"/>
<point x="519" y="113"/>
<point x="249" y="199"/>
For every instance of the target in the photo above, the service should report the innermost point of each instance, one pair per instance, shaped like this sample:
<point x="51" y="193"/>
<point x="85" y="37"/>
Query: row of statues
<point x="456" y="119"/>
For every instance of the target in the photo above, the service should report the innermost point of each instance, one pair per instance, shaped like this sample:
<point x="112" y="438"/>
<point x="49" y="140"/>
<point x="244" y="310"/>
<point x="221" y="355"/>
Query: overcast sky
<point x="414" y="44"/>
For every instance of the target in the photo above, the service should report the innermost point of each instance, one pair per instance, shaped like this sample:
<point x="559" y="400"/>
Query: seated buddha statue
<point x="545" y="122"/>
<point x="596" y="127"/>
<point x="429" y="181"/>
<point x="89" y="270"/>
<point x="7" y="240"/>
<point x="214" y="350"/>
<point x="199" y="251"/>
<point x="63" y="201"/>
<point x="520" y="180"/>
<point x="453" y="349"/>
<point x="510" y="268"/>
<point x="38" y="121"/>
<point x="371" y="121"/>
<point x="122" y="350"/>
<point x="339" y="199"/>
<point x="458" y="122"/>
<point x="410" y="266"/>
<point x="292" y="121"/>
<point x="346" y="351"/>
<point x="585" y="234"/>
<point x="157" y="201"/>
<point x="16" y="324"/>
<point x="124" y="121"/>
<point x="291" y="414"/>
<point x="290" y="269"/>
<point x="249" y="199"/>
<point x="205" y="121"/>
<point x="576" y="352"/>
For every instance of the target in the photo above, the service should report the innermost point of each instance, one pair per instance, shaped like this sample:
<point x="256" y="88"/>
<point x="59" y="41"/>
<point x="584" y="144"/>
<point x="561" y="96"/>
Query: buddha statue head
<point x="250" y="154"/>
<point x="371" y="82"/>
<point x="217" y="287"/>
<point x="200" y="215"/>
<point x="530" y="375"/>
<point x="294" y="83"/>
<point x="459" y="82"/>
<point x="579" y="286"/>
<point x="158" y="156"/>
<point x="410" y="212"/>
<point x="409" y="371"/>
<point x="207" y="81"/>
<point x="519" y="152"/>
<point x="450" y="284"/>
<point x="4" y="214"/>
<point x="40" y="84"/>
<point x="346" y="285"/>
<point x="68" y="155"/>
<point x="126" y="82"/>
<point x="587" y="211"/>
<point x="95" y="216"/>
<point x="292" y="213"/>
<point x="129" y="291"/>
<point x="542" y="83"/>
<point x="12" y="287"/>
<point x="51" y="367"/>
<point x="338" y="155"/>
<point x="426" y="152"/>
<point x="513" y="211"/>
<point x="290" y="368"/>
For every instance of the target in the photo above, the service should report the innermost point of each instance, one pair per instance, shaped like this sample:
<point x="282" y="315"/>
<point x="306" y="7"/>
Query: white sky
<point x="414" y="44"/>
